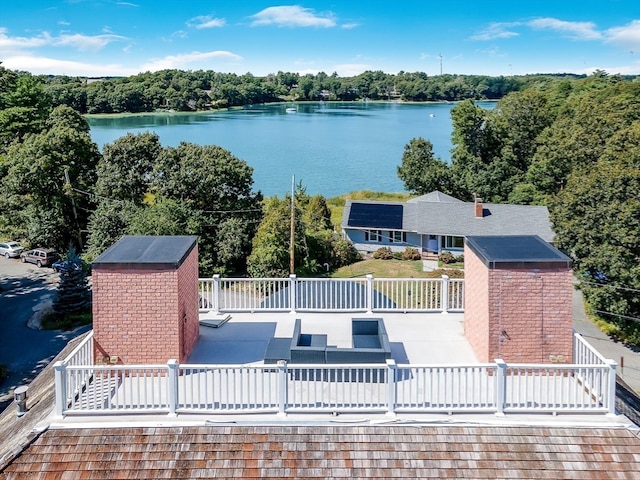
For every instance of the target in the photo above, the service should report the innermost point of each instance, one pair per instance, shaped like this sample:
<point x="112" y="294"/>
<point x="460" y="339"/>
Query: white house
<point x="437" y="222"/>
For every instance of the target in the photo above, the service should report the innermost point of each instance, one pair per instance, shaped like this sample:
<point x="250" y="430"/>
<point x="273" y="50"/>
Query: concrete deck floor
<point x="416" y="338"/>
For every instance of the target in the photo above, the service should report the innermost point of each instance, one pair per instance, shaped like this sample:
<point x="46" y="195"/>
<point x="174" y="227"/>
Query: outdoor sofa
<point x="369" y="339"/>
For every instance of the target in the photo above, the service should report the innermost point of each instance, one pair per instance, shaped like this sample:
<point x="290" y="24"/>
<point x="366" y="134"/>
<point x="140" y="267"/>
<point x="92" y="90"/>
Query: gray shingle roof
<point x="445" y="217"/>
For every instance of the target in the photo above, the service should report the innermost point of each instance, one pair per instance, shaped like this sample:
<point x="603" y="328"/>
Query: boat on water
<point x="291" y="110"/>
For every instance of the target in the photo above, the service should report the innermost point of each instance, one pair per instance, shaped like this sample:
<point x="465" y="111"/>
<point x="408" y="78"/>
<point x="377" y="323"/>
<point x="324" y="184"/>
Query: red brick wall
<point x="522" y="315"/>
<point x="188" y="304"/>
<point x="476" y="305"/>
<point x="146" y="316"/>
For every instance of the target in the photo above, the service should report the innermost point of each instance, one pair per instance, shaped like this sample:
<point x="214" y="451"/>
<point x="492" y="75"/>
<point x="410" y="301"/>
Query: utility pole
<point x="73" y="204"/>
<point x="292" y="239"/>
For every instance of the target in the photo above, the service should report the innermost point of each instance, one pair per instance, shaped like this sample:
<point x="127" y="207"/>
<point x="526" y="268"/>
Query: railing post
<point x="216" y="294"/>
<point x="501" y="384"/>
<point x="392" y="369"/>
<point x="60" y="376"/>
<point x="293" y="288"/>
<point x="444" y="295"/>
<point x="172" y="386"/>
<point x="369" y="293"/>
<point x="612" y="388"/>
<point x="282" y="388"/>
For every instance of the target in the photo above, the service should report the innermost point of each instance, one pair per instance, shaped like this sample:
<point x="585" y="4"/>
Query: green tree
<point x="24" y="107"/>
<point x="586" y="122"/>
<point x="73" y="294"/>
<point x="316" y="244"/>
<point x="47" y="175"/>
<point x="270" y="253"/>
<point x="216" y="186"/>
<point x="421" y="172"/>
<point x="597" y="219"/>
<point x="107" y="223"/>
<point x="125" y="169"/>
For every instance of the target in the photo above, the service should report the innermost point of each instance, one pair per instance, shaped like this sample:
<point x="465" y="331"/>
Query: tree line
<point x="573" y="146"/>
<point x="200" y="90"/>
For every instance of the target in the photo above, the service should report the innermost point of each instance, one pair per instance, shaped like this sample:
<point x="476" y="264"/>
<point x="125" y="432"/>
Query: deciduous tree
<point x="421" y="172"/>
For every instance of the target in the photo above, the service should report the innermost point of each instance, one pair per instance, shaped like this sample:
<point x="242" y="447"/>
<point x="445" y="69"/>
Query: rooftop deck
<point x="416" y="338"/>
<point x="431" y="370"/>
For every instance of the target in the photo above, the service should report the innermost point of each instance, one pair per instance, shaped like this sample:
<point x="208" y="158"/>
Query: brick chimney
<point x="145" y="300"/>
<point x="478" y="207"/>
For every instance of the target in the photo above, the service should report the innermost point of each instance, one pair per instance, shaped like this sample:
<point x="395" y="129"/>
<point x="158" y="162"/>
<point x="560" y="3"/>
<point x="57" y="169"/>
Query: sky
<point x="124" y="37"/>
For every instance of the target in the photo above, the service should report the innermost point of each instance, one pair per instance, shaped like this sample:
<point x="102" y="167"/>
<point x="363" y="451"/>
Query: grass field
<point x="392" y="269"/>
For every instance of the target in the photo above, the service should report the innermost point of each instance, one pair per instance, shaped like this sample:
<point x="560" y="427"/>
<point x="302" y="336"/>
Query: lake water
<point x="333" y="148"/>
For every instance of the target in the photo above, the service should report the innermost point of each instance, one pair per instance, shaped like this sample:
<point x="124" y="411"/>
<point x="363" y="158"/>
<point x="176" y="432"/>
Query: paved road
<point x="25" y="351"/>
<point x="628" y="358"/>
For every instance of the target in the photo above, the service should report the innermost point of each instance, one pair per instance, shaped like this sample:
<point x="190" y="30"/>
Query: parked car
<point x="11" y="249"/>
<point x="63" y="266"/>
<point x="42" y="257"/>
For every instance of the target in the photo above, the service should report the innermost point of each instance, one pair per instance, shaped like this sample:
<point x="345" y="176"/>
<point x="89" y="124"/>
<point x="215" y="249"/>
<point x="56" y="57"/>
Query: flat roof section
<point x="146" y="252"/>
<point x="517" y="251"/>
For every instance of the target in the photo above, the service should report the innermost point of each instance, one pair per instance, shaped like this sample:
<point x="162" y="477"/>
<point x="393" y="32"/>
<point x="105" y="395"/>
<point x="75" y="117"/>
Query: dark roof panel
<point x="514" y="251"/>
<point x="146" y="252"/>
<point x="376" y="215"/>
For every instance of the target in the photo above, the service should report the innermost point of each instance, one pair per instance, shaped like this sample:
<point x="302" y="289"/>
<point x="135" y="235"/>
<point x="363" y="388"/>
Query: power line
<point x="626" y="317"/>
<point x="615" y="287"/>
<point x="89" y="194"/>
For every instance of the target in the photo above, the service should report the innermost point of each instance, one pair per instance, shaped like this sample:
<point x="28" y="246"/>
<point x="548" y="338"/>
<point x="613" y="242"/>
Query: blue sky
<point x="125" y="37"/>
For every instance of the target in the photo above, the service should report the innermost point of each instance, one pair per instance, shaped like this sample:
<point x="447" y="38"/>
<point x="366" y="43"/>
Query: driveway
<point x="24" y="289"/>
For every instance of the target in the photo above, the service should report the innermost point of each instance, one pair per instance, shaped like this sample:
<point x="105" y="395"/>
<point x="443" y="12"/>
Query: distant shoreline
<point x="306" y="102"/>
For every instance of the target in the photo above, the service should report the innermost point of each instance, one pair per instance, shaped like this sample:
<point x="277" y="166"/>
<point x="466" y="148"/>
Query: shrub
<point x="446" y="257"/>
<point x="397" y="256"/>
<point x="344" y="253"/>
<point x="411" y="254"/>
<point x="383" y="253"/>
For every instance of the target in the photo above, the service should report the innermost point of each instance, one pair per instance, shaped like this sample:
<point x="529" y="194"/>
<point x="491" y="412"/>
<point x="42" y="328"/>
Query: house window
<point x="373" y="235"/>
<point x="452" y="242"/>
<point x="398" y="237"/>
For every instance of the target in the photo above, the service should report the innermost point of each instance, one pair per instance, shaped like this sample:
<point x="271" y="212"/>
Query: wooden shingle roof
<point x="327" y="451"/>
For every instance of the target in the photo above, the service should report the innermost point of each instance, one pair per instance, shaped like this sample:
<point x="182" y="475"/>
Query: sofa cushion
<point x="366" y="341"/>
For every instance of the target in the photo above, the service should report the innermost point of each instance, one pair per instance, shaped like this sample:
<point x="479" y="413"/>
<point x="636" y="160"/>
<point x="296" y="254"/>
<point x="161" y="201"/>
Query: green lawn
<point x="392" y="269"/>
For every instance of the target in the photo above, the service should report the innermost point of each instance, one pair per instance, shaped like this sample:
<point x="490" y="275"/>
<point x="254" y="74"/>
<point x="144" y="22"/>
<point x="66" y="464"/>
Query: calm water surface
<point x="333" y="148"/>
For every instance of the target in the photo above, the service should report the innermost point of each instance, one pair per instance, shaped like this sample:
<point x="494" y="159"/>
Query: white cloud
<point x="8" y="43"/>
<point x="293" y="16"/>
<point x="627" y="36"/>
<point x="183" y="60"/>
<point x="575" y="30"/>
<point x="52" y="66"/>
<point x="496" y="31"/>
<point x="77" y="41"/>
<point x="86" y="42"/>
<point x="349" y="26"/>
<point x="205" y="21"/>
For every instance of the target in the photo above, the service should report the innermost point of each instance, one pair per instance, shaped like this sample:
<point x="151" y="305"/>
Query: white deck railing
<point x="382" y="388"/>
<point x="332" y="294"/>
